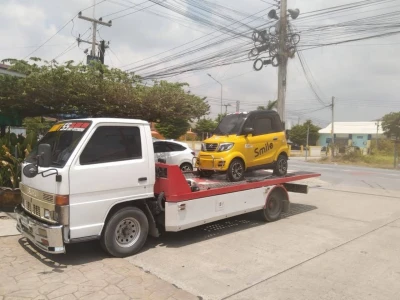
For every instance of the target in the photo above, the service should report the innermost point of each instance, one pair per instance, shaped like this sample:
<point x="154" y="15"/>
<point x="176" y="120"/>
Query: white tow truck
<point x="97" y="179"/>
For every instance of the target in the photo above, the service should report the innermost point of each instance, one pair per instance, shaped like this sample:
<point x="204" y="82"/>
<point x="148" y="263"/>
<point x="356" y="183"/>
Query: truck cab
<point x="85" y="169"/>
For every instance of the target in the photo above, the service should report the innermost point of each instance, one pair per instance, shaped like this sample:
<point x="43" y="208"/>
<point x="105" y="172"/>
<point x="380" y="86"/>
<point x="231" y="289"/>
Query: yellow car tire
<point x="281" y="166"/>
<point x="236" y="170"/>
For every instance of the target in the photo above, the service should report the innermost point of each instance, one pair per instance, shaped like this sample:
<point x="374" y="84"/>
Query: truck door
<point x="112" y="166"/>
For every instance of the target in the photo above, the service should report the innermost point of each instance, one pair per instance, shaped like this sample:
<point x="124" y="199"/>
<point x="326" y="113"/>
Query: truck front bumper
<point x="48" y="238"/>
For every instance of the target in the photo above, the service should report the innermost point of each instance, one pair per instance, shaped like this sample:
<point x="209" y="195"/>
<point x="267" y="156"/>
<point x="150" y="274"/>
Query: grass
<point x="375" y="161"/>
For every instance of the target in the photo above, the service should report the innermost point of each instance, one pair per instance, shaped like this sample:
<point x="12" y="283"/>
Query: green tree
<point x="93" y="90"/>
<point x="391" y="124"/>
<point x="298" y="133"/>
<point x="271" y="105"/>
<point x="205" y="125"/>
<point x="173" y="128"/>
<point x="37" y="125"/>
<point x="219" y="118"/>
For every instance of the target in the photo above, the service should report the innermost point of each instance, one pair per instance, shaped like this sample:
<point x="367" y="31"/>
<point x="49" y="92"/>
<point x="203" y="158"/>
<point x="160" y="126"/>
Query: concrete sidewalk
<point x="7" y="224"/>
<point x="85" y="272"/>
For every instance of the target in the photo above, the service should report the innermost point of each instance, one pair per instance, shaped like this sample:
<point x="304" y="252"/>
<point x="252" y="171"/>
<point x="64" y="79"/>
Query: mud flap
<point x="153" y="230"/>
<point x="286" y="206"/>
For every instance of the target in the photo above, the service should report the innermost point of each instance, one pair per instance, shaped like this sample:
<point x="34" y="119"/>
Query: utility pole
<point x="102" y="51"/>
<point x="377" y="133"/>
<point x="221" y="89"/>
<point x="226" y="108"/>
<point x="282" y="62"/>
<point x="333" y="127"/>
<point x="94" y="22"/>
<point x="237" y="106"/>
<point x="308" y="134"/>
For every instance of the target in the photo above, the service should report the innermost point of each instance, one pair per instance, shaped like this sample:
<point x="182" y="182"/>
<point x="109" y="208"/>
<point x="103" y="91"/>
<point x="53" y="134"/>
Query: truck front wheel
<point x="125" y="232"/>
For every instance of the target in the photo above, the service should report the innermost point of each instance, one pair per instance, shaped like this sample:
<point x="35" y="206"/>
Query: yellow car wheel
<point x="281" y="166"/>
<point x="236" y="170"/>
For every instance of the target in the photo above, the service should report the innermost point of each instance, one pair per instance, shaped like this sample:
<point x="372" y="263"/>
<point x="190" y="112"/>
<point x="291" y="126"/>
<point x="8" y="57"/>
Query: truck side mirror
<point x="44" y="155"/>
<point x="30" y="171"/>
<point x="247" y="131"/>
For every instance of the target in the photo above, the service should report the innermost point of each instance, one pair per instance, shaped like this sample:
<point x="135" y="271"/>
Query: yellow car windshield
<point x="230" y="124"/>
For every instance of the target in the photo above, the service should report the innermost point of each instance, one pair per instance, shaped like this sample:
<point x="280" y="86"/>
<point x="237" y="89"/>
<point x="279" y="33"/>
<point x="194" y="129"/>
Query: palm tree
<point x="271" y="105"/>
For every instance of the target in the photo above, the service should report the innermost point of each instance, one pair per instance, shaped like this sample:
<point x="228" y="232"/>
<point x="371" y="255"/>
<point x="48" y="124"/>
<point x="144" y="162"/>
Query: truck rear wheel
<point x="274" y="206"/>
<point x="125" y="232"/>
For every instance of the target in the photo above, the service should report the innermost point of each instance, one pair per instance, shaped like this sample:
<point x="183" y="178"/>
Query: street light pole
<point x="221" y="90"/>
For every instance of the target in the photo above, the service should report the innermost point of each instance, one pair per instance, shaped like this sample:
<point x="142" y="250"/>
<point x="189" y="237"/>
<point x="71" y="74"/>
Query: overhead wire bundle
<point x="231" y="53"/>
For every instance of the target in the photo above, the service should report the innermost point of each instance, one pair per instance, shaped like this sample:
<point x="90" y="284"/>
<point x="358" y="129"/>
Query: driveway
<point x="341" y="241"/>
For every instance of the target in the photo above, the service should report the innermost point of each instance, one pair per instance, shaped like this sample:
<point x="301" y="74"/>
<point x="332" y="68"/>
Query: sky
<point x="362" y="76"/>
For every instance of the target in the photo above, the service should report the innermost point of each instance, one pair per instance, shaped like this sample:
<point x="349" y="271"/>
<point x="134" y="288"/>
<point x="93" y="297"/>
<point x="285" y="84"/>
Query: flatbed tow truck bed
<point x="191" y="201"/>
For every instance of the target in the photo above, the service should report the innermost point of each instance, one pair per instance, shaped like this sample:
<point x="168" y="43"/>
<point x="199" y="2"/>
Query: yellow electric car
<point x="245" y="141"/>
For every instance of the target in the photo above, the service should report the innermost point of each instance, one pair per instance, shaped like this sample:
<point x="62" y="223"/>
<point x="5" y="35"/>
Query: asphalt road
<point x="349" y="176"/>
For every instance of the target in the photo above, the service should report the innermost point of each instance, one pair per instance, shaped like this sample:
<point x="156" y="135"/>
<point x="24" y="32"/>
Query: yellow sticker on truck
<point x="70" y="126"/>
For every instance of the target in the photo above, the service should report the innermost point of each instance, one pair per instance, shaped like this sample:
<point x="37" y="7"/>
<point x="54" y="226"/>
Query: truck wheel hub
<point x="127" y="232"/>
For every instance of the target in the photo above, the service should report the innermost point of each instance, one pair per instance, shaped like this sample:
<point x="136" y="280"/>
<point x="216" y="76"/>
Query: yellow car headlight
<point x="225" y="147"/>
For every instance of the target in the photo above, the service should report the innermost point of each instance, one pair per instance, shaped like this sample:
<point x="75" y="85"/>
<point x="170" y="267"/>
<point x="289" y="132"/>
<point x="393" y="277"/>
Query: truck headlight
<point x="47" y="214"/>
<point x="225" y="147"/>
<point x="203" y="147"/>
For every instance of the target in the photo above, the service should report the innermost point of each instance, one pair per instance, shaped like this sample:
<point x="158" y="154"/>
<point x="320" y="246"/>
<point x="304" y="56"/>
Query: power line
<point x="197" y="39"/>
<point x="65" y="25"/>
<point x="69" y="48"/>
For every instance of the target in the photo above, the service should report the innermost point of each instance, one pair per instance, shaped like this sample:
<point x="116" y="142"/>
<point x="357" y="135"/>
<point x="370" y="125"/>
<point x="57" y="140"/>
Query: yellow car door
<point x="259" y="143"/>
<point x="264" y="142"/>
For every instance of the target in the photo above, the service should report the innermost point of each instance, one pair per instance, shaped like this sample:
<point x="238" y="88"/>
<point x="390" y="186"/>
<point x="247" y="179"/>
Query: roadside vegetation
<point x="380" y="157"/>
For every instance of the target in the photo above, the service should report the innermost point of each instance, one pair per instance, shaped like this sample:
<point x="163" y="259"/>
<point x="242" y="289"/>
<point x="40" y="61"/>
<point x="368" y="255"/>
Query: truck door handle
<point x="275" y="138"/>
<point x="142" y="179"/>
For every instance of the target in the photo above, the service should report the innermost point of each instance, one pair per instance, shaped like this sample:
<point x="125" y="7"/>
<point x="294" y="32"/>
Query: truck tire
<point x="274" y="206"/>
<point x="281" y="166"/>
<point x="125" y="232"/>
<point x="236" y="170"/>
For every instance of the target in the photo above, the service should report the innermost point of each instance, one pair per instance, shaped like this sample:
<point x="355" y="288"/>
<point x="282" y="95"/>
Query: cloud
<point x="362" y="77"/>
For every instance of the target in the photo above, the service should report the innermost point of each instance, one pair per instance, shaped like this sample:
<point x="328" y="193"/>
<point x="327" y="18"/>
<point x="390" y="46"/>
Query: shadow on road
<point x="87" y="252"/>
<point x="77" y="254"/>
<point x="219" y="228"/>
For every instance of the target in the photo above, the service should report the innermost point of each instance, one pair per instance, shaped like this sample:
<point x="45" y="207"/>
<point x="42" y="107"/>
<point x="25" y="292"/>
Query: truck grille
<point x="211" y="147"/>
<point x="36" y="210"/>
<point x="48" y="198"/>
<point x="36" y="202"/>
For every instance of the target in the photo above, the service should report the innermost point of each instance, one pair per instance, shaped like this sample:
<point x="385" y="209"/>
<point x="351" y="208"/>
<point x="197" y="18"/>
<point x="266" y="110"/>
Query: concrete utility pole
<point x="308" y="134"/>
<point x="94" y="27"/>
<point x="333" y="127"/>
<point x="377" y="133"/>
<point x="221" y="89"/>
<point x="282" y="62"/>
<point x="226" y="108"/>
<point x="102" y="51"/>
<point x="237" y="106"/>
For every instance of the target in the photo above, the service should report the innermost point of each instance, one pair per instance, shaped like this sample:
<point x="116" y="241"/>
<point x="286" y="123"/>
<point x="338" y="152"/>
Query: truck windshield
<point x="230" y="124"/>
<point x="63" y="138"/>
